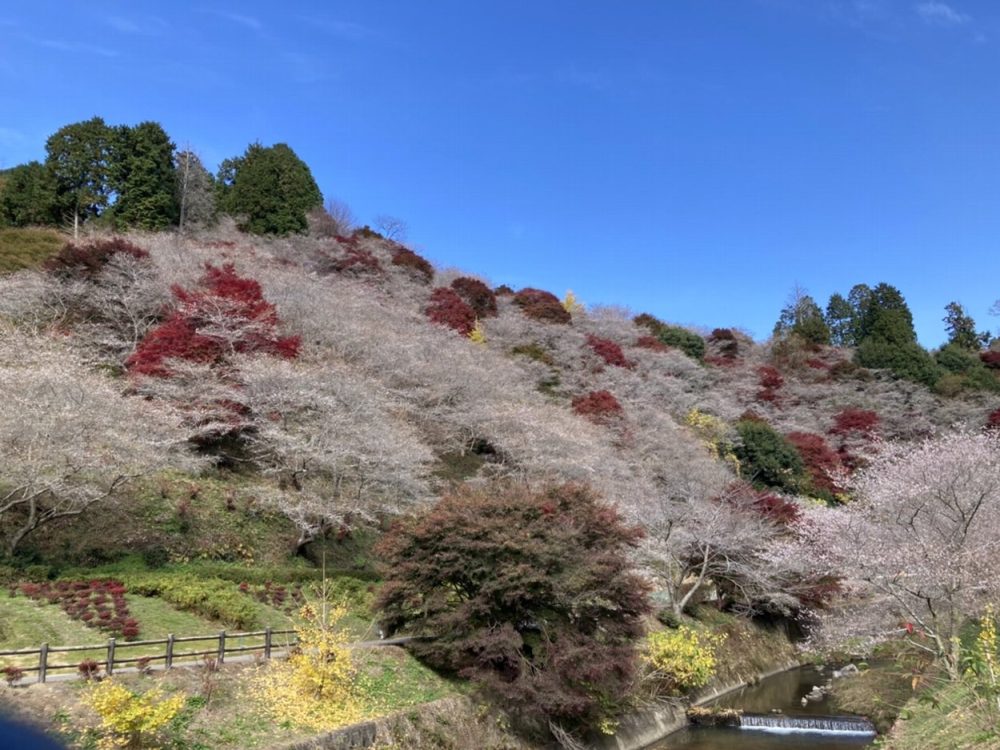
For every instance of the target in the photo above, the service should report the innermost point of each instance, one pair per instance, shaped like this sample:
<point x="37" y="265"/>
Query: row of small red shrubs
<point x="476" y="295"/>
<point x="86" y="261"/>
<point x="600" y="407"/>
<point x="223" y="301"/>
<point x="608" y="350"/>
<point x="98" y="604"/>
<point x="419" y="268"/>
<point x="448" y="309"/>
<point x="538" y="304"/>
<point x="275" y="595"/>
<point x="821" y="461"/>
<point x="349" y="259"/>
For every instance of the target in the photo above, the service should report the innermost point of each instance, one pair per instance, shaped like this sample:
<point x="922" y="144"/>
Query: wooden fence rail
<point x="224" y="643"/>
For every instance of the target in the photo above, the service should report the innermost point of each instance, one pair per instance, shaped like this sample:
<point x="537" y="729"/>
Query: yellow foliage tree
<point x="571" y="304"/>
<point x="682" y="660"/>
<point x="314" y="688"/>
<point x="132" y="720"/>
<point x="477" y="335"/>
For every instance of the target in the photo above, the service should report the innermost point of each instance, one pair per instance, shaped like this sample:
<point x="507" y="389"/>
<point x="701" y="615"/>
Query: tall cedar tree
<point x="143" y="176"/>
<point x="270" y="189"/>
<point x="28" y="197"/>
<point x="529" y="593"/>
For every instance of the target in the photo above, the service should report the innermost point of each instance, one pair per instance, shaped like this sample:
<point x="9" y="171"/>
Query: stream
<point x="795" y="728"/>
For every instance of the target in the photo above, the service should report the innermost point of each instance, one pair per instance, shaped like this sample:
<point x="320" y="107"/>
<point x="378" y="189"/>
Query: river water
<point x="783" y="692"/>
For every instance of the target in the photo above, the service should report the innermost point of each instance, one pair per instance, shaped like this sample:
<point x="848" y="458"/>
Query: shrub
<point x="608" y="350"/>
<point x="12" y="674"/>
<point x="87" y="601"/>
<point x="418" y="267"/>
<point x="821" y="462"/>
<point x="600" y="407"/>
<point x="652" y="343"/>
<point x="226" y="313"/>
<point x="688" y="342"/>
<point x="905" y="360"/>
<point x="993" y="420"/>
<point x="530" y="593"/>
<point x="210" y="597"/>
<point x="131" y="719"/>
<point x="503" y="291"/>
<point x="722" y="334"/>
<point x="769" y="377"/>
<point x="541" y="305"/>
<point x="682" y="660"/>
<point x="88" y="669"/>
<point x="768" y="458"/>
<point x="86" y="261"/>
<point x="448" y="309"/>
<point x="476" y="295"/>
<point x="991" y="359"/>
<point x="855" y="421"/>
<point x="353" y="261"/>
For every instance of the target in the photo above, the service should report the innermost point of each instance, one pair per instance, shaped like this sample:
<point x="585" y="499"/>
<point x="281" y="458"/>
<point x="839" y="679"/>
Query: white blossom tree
<point x="921" y="545"/>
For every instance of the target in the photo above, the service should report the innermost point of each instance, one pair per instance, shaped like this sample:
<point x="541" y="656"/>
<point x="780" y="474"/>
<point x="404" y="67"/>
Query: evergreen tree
<point x="840" y="320"/>
<point x="142" y="174"/>
<point x="269" y="190"/>
<point x="77" y="157"/>
<point x="962" y="328"/>
<point x="195" y="192"/>
<point x="803" y="318"/>
<point x="28" y="196"/>
<point x="884" y="314"/>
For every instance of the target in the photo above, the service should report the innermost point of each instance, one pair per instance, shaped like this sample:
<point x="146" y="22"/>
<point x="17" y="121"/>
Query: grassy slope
<point x="950" y="717"/>
<point x="27" y="248"/>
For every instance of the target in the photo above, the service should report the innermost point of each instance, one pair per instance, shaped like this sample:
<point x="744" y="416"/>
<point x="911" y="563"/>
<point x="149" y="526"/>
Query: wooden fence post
<point x="222" y="646"/>
<point x="43" y="661"/>
<point x="110" y="668"/>
<point x="169" y="660"/>
<point x="267" y="643"/>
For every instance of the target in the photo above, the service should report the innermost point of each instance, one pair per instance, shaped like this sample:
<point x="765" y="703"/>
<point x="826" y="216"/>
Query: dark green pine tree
<point x="803" y="318"/>
<point x="840" y="320"/>
<point x="28" y="197"/>
<point x="143" y="176"/>
<point x="962" y="329"/>
<point x="269" y="190"/>
<point x="78" y="158"/>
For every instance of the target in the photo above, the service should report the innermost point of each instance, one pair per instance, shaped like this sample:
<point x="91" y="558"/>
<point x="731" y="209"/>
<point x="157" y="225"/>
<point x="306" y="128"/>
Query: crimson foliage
<point x="227" y="313"/>
<point x="86" y="261"/>
<point x="529" y="593"/>
<point x="541" y="305"/>
<point x="991" y="359"/>
<point x="477" y="295"/>
<point x="652" y="343"/>
<point x="993" y="420"/>
<point x="418" y="267"/>
<point x="447" y="308"/>
<point x="600" y="407"/>
<point x="856" y="421"/>
<point x="607" y="350"/>
<point x="351" y="259"/>
<point x="766" y="504"/>
<point x="769" y="378"/>
<point x="97" y="603"/>
<point x="820" y="460"/>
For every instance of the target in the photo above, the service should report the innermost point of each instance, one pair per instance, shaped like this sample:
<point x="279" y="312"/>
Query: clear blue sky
<point x="691" y="158"/>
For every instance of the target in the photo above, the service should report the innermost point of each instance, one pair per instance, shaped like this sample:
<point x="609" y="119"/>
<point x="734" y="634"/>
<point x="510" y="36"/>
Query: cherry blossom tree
<point x="921" y="544"/>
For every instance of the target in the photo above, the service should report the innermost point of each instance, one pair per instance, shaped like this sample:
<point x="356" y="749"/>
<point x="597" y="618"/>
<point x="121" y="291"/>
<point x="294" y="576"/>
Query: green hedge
<point x="214" y="598"/>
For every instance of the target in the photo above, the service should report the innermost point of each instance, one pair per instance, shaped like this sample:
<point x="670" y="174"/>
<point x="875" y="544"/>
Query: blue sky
<point x="692" y="158"/>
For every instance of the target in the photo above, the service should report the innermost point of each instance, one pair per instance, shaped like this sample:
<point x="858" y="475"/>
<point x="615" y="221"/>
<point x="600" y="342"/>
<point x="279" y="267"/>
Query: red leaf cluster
<point x="600" y="407"/>
<point x="993" y="420"/>
<point x="538" y="304"/>
<point x="86" y="261"/>
<point x="820" y="459"/>
<point x="652" y="343"/>
<point x="448" y="309"/>
<point x="98" y="604"/>
<point x="766" y="504"/>
<point x="991" y="359"/>
<point x="857" y="421"/>
<point x="352" y="260"/>
<point x="223" y="300"/>
<point x="418" y="267"/>
<point x="476" y="295"/>
<point x="608" y="350"/>
<point x="770" y="381"/>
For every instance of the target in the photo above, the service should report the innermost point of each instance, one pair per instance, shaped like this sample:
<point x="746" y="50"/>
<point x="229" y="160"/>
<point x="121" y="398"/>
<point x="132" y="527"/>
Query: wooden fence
<point x="223" y="643"/>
